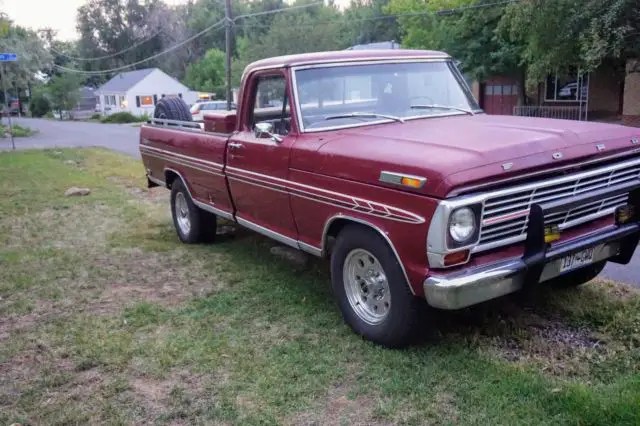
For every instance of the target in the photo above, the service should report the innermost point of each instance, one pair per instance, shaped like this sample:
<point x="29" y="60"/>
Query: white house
<point x="138" y="91"/>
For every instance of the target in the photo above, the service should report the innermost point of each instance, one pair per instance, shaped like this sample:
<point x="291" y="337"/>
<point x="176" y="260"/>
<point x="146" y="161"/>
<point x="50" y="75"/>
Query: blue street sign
<point x="8" y="57"/>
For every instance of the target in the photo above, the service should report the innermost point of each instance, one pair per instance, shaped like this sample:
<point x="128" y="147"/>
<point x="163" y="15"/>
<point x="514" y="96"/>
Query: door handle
<point x="235" y="145"/>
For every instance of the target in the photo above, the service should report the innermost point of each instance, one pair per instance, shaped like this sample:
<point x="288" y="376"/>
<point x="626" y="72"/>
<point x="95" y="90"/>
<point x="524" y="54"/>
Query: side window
<point x="271" y="104"/>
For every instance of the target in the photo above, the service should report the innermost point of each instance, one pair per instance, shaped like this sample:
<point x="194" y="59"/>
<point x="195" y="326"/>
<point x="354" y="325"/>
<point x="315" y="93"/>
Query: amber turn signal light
<point x="624" y="214"/>
<point x="411" y="182"/>
<point x="551" y="233"/>
<point x="456" y="258"/>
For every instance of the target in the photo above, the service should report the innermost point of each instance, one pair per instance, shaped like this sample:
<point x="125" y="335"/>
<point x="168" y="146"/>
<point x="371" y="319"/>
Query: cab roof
<point x="344" y="56"/>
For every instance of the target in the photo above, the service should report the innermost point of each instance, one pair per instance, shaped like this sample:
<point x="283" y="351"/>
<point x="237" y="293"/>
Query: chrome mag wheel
<point x="366" y="286"/>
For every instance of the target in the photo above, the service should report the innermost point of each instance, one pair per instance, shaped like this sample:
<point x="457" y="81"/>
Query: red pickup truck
<point x="384" y="162"/>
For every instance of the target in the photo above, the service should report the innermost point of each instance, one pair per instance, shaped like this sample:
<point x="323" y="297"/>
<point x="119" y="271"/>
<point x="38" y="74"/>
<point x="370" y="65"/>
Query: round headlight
<point x="462" y="224"/>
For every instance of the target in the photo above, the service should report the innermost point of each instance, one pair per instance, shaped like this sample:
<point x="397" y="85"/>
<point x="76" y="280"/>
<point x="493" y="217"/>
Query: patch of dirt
<point x="560" y="349"/>
<point x="341" y="405"/>
<point x="164" y="278"/>
<point x="180" y="389"/>
<point x="59" y="228"/>
<point x="524" y="335"/>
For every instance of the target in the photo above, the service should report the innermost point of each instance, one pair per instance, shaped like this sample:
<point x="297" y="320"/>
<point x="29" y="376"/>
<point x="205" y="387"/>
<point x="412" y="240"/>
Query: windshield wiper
<point x="424" y="106"/>
<point x="364" y="115"/>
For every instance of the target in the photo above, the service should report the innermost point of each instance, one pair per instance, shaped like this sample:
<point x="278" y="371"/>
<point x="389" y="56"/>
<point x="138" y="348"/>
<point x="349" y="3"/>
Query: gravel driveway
<point x="124" y="138"/>
<point x="53" y="134"/>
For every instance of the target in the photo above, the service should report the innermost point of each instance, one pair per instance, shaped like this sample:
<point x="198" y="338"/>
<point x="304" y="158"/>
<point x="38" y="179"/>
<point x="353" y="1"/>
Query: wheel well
<point x="169" y="177"/>
<point x="338" y="224"/>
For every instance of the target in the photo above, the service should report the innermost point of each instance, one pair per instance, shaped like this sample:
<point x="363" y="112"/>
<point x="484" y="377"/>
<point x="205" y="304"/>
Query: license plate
<point x="576" y="260"/>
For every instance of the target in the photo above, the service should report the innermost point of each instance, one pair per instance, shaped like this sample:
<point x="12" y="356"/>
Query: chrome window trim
<point x="436" y="239"/>
<point x="203" y="206"/>
<point x="327" y="225"/>
<point x="365" y="61"/>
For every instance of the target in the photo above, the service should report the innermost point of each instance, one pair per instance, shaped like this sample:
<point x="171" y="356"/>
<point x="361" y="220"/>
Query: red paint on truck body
<point x="296" y="188"/>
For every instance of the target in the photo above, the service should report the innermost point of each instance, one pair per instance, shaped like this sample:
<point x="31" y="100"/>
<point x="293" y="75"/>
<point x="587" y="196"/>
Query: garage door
<point x="499" y="96"/>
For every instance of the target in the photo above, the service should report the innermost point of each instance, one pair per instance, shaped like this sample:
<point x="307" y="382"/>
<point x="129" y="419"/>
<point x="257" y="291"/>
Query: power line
<point x="249" y="15"/>
<point x="441" y="12"/>
<point x="170" y="49"/>
<point x="97" y="58"/>
<point x="284" y="9"/>
<point x="182" y="43"/>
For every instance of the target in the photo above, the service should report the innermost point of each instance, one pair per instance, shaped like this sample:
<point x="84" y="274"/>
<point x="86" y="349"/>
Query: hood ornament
<point x="600" y="147"/>
<point x="557" y="155"/>
<point x="635" y="140"/>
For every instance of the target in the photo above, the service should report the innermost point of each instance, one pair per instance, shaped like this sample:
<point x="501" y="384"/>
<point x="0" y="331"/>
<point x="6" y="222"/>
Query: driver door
<point x="258" y="164"/>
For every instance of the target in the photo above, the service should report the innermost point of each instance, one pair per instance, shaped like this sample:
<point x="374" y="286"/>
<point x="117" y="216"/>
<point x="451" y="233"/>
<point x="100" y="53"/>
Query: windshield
<point x="338" y="96"/>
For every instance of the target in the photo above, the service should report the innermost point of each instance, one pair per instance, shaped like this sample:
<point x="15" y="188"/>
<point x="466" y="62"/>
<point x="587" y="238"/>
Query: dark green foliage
<point x="123" y="117"/>
<point x="39" y="105"/>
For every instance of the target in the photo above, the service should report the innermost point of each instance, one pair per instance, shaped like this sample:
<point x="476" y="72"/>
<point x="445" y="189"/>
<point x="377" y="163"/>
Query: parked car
<point x="383" y="162"/>
<point x="200" y="108"/>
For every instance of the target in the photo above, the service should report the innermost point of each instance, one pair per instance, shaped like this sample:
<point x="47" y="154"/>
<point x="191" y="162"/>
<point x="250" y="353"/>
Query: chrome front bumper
<point x="472" y="286"/>
<point x="540" y="262"/>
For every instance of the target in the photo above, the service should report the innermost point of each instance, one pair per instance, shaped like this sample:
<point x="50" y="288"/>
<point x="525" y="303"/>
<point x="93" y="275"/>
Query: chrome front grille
<point x="505" y="212"/>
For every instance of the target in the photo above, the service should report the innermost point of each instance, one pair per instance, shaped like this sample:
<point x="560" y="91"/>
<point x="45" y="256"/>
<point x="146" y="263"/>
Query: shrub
<point x="95" y="116"/>
<point x="120" y="117"/>
<point x="39" y="106"/>
<point x="18" y="131"/>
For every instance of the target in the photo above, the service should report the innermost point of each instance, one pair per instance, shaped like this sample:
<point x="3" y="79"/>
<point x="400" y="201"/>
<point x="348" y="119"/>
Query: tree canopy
<point x="208" y="73"/>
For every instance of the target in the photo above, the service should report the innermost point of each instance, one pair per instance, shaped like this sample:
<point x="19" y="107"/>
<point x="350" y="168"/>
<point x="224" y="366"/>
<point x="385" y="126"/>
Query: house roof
<point x="125" y="80"/>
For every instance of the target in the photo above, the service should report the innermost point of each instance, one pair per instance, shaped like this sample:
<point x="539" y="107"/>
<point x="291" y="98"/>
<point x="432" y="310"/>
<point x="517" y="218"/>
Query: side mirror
<point x="264" y="130"/>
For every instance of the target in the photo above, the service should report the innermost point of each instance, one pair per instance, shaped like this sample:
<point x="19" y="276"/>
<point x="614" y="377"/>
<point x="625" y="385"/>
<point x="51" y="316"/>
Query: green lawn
<point x="105" y="318"/>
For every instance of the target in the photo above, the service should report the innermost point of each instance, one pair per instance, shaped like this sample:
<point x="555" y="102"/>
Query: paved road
<point x="53" y="134"/>
<point x="124" y="138"/>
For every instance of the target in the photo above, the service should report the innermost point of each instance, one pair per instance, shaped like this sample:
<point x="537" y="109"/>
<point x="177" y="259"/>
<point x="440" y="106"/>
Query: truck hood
<point x="457" y="151"/>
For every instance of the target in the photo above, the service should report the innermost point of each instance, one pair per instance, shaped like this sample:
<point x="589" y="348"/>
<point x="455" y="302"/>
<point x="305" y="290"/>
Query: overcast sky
<point x="57" y="14"/>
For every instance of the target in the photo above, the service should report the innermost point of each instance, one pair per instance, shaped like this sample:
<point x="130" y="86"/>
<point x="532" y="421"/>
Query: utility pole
<point x="4" y="106"/>
<point x="227" y="33"/>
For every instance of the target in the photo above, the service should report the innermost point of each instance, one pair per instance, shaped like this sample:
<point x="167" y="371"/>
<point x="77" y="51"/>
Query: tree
<point x="64" y="92"/>
<point x="314" y="29"/>
<point x="365" y="21"/>
<point x="471" y="36"/>
<point x="32" y="56"/>
<point x="562" y="34"/>
<point x="208" y="74"/>
<point x="118" y="31"/>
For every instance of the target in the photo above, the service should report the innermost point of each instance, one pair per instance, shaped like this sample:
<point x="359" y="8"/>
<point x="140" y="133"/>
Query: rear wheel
<point x="579" y="277"/>
<point x="192" y="224"/>
<point x="371" y="290"/>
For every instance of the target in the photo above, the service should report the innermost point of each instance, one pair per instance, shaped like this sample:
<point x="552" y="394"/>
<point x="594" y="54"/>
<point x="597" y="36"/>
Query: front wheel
<point x="371" y="289"/>
<point x="192" y="224"/>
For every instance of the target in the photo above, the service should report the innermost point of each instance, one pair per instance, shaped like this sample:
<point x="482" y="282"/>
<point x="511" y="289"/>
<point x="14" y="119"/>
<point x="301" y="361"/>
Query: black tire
<point x="398" y="327"/>
<point x="202" y="224"/>
<point x="578" y="277"/>
<point x="172" y="109"/>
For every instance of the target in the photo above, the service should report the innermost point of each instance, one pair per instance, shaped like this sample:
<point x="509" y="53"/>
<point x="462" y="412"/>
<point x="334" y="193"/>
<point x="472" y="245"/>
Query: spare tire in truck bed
<point x="172" y="109"/>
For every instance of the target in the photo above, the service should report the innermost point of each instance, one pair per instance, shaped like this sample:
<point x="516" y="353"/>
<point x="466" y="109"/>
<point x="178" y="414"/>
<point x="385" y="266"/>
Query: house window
<point x="112" y="99"/>
<point x="123" y="102"/>
<point x="573" y="87"/>
<point x="146" y="100"/>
